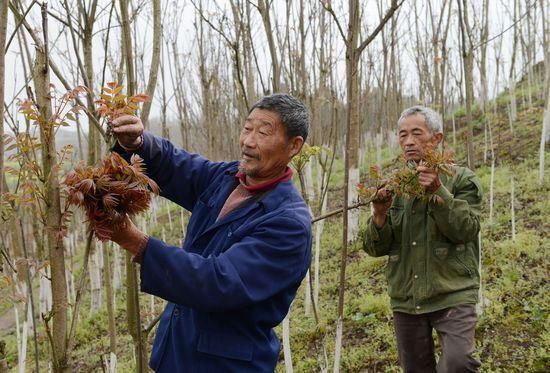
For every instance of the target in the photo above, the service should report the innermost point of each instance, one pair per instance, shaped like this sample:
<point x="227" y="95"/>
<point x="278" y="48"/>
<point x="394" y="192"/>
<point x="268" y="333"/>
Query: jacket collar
<point x="268" y="200"/>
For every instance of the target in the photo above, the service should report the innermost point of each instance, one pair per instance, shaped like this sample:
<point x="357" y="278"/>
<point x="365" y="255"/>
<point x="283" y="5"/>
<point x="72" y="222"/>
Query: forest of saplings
<point x="70" y="299"/>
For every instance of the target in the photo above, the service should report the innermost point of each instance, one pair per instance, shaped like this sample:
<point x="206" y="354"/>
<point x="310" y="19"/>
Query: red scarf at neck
<point x="266" y="185"/>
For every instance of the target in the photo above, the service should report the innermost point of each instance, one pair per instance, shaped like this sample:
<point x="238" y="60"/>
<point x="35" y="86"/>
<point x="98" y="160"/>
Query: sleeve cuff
<point x="146" y="139"/>
<point x="377" y="234"/>
<point x="138" y="257"/>
<point x="134" y="148"/>
<point x="444" y="193"/>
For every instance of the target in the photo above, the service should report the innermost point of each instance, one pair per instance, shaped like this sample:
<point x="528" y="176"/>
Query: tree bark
<point x="483" y="58"/>
<point x="543" y="136"/>
<point x="354" y="48"/>
<point x="155" y="62"/>
<point x="512" y="74"/>
<point x="467" y="63"/>
<point x="107" y="273"/>
<point x="132" y="293"/>
<point x="263" y="7"/>
<point x="3" y="31"/>
<point x="52" y="211"/>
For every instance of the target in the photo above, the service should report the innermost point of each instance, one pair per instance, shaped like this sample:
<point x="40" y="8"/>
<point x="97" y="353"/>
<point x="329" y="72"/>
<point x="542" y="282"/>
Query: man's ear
<point x="295" y="145"/>
<point x="437" y="138"/>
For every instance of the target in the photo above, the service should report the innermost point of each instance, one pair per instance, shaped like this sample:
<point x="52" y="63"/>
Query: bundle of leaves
<point x="403" y="181"/>
<point x="300" y="160"/>
<point x="112" y="103"/>
<point x="110" y="191"/>
<point x="374" y="181"/>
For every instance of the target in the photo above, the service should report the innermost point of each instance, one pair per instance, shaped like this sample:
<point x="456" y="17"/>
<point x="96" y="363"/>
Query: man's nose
<point x="408" y="140"/>
<point x="249" y="139"/>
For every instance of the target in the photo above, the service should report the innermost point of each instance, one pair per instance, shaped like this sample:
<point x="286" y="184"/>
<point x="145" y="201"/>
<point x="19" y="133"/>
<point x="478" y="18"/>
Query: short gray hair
<point x="431" y="117"/>
<point x="292" y="112"/>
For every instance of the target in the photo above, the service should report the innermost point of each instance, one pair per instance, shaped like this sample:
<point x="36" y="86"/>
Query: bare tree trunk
<point x="155" y="62"/>
<point x="31" y="314"/>
<point x="467" y="63"/>
<point x="94" y="140"/>
<point x="483" y="52"/>
<point x="286" y="343"/>
<point x="263" y="7"/>
<point x="132" y="292"/>
<point x="491" y="192"/>
<point x="511" y="75"/>
<point x="52" y="209"/>
<point x="354" y="48"/>
<point x="109" y="299"/>
<point x="492" y="182"/>
<point x="3" y="31"/>
<point x="545" y="28"/>
<point x="545" y="129"/>
<point x="513" y="207"/>
<point x="206" y="82"/>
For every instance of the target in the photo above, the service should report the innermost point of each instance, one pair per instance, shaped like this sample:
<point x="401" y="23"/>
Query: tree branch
<point x="338" y="211"/>
<point x="54" y="67"/>
<point x="395" y="4"/>
<point x="152" y="324"/>
<point x="329" y="9"/>
<point x="18" y="25"/>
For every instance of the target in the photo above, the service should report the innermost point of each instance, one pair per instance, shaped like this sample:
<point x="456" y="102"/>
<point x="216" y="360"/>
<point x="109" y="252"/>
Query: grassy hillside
<point x="513" y="331"/>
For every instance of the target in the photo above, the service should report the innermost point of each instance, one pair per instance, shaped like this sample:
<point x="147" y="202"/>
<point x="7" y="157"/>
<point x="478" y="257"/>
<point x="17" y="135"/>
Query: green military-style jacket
<point x="433" y="251"/>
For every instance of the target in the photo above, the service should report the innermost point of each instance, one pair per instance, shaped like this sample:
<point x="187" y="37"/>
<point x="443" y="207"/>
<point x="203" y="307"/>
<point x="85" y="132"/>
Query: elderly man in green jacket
<point x="433" y="255"/>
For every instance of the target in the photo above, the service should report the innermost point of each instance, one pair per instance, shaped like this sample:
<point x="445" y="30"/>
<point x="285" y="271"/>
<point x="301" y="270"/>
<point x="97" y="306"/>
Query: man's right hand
<point x="128" y="130"/>
<point x="381" y="205"/>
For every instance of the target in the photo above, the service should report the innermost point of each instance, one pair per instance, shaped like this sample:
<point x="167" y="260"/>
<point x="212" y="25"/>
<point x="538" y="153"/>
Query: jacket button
<point x="412" y="211"/>
<point x="417" y="307"/>
<point x="413" y="243"/>
<point x="415" y="276"/>
<point x="176" y="312"/>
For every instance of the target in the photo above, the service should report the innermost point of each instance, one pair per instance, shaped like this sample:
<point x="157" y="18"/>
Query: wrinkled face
<point x="415" y="136"/>
<point x="265" y="149"/>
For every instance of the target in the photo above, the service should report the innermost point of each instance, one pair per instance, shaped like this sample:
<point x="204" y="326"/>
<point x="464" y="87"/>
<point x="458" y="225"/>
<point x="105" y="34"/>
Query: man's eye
<point x="263" y="133"/>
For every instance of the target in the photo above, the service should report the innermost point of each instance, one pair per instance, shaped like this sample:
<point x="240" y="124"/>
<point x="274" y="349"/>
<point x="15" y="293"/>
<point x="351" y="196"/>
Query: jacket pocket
<point x="396" y="218"/>
<point x="449" y="270"/>
<point x="230" y="346"/>
<point x="461" y="258"/>
<point x="161" y="334"/>
<point x="394" y="274"/>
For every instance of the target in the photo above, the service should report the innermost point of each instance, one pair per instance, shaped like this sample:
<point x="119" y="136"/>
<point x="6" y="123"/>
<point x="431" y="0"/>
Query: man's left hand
<point x="428" y="178"/>
<point x="129" y="237"/>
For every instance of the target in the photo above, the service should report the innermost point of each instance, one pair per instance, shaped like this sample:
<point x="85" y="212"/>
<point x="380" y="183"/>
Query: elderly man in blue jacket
<point x="247" y="248"/>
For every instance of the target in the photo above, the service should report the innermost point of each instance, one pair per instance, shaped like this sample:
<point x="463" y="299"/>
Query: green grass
<point x="513" y="333"/>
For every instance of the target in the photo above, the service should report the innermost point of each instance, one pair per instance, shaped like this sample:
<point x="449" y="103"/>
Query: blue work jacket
<point x="234" y="279"/>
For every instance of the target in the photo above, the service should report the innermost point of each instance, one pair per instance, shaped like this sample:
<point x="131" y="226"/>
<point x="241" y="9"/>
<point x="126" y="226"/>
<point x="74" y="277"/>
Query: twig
<point x="152" y="324"/>
<point x="54" y="67"/>
<point x="338" y="211"/>
<point x="394" y="6"/>
<point x="508" y="28"/>
<point x="31" y="297"/>
<point x="18" y="25"/>
<point x="79" y="290"/>
<point x="46" y="318"/>
<point x="329" y="9"/>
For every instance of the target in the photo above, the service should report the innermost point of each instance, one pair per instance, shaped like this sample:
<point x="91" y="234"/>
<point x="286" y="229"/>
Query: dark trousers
<point x="455" y="327"/>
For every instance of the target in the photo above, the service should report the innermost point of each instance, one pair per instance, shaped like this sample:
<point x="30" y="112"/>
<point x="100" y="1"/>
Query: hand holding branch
<point x="128" y="130"/>
<point x="428" y="178"/>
